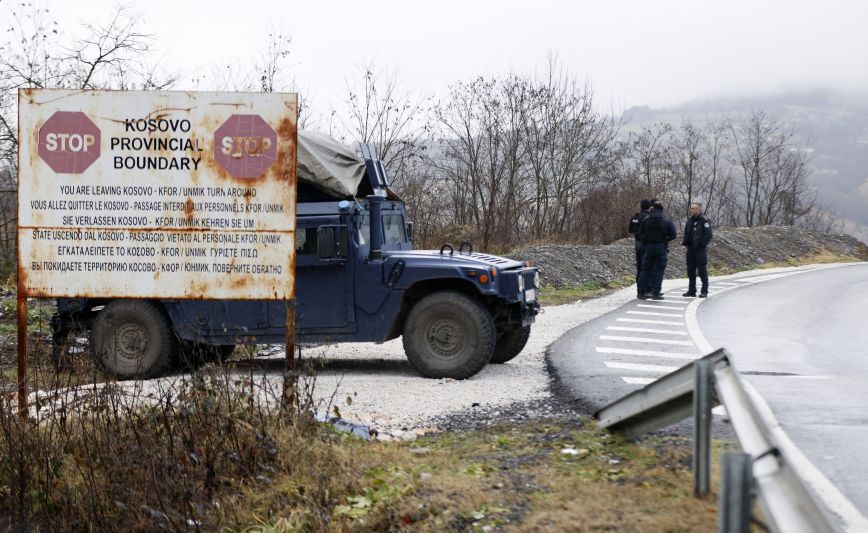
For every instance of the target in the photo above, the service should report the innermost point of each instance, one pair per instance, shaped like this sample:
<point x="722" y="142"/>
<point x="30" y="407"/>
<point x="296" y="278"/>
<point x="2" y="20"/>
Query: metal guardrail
<point x="695" y="389"/>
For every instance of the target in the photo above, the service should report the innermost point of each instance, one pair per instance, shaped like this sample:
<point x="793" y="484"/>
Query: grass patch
<point x="550" y="295"/>
<point x="823" y="257"/>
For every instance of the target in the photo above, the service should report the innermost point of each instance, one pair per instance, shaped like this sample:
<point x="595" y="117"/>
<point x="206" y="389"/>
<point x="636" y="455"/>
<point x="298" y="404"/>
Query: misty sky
<point x="633" y="52"/>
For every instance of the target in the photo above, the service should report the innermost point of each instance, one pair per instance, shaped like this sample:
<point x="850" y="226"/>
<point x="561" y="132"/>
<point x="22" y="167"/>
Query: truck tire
<point x="449" y="335"/>
<point x="510" y="344"/>
<point x="132" y="339"/>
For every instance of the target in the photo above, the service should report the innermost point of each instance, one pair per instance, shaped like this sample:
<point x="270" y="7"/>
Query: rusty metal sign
<point x="156" y="194"/>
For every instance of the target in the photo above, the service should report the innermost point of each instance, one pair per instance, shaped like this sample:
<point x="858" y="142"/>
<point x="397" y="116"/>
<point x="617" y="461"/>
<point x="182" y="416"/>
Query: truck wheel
<point x="510" y="344"/>
<point x="131" y="339"/>
<point x="448" y="335"/>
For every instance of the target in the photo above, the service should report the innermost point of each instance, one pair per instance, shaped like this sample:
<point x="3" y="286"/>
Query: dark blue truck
<point x="358" y="279"/>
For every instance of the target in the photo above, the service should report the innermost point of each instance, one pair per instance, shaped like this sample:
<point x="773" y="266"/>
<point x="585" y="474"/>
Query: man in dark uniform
<point x="655" y="232"/>
<point x="697" y="235"/>
<point x="633" y="228"/>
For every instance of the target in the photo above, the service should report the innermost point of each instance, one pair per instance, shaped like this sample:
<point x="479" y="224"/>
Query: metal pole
<point x="22" y="355"/>
<point x="290" y="376"/>
<point x="702" y="391"/>
<point x="736" y="493"/>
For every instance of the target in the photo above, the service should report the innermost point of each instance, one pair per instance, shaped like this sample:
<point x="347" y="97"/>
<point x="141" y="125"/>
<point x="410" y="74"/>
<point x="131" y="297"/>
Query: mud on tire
<point x="449" y="335"/>
<point x="510" y="343"/>
<point x="132" y="339"/>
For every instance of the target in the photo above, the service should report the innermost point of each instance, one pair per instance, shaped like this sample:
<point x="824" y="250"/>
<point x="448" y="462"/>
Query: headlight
<point x="520" y="283"/>
<point x="536" y="280"/>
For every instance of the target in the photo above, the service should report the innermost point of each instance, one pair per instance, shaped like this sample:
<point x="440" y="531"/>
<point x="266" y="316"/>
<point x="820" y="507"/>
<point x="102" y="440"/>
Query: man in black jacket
<point x="655" y="232"/>
<point x="633" y="228"/>
<point x="697" y="235"/>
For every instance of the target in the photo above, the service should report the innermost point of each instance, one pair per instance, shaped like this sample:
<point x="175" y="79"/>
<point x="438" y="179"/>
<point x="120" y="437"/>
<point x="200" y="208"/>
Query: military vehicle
<point x="358" y="279"/>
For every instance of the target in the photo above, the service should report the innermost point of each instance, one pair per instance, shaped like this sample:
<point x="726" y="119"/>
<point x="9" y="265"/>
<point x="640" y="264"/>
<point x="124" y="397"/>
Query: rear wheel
<point x="132" y="339"/>
<point x="510" y="343"/>
<point x="449" y="335"/>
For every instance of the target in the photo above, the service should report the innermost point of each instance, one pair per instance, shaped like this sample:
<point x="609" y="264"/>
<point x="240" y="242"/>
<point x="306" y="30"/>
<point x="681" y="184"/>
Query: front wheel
<point x="132" y="339"/>
<point x="510" y="343"/>
<point x="449" y="335"/>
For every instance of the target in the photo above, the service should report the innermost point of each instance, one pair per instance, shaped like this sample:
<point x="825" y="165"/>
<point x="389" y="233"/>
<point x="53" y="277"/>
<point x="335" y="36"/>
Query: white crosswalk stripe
<point x="640" y="367"/>
<point x="647" y="353"/>
<point x="670" y="307"/>
<point x="646" y="330"/>
<point x="645" y="339"/>
<point x="649" y="321"/>
<point x="638" y="381"/>
<point x="652" y="313"/>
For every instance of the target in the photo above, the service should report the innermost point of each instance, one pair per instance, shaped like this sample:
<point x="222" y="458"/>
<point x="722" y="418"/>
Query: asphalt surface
<point x="802" y="342"/>
<point x="798" y="336"/>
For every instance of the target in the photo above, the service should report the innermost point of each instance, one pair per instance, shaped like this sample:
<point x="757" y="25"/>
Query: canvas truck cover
<point x="328" y="165"/>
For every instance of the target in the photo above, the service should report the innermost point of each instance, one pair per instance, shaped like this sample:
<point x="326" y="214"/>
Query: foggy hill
<point x="834" y="127"/>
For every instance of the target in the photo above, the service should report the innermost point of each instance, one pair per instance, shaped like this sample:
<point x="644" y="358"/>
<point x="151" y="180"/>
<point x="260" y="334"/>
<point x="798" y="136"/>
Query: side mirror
<point x="325" y="242"/>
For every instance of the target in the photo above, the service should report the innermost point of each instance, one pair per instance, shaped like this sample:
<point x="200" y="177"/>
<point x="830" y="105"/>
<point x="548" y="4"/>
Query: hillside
<point x="731" y="249"/>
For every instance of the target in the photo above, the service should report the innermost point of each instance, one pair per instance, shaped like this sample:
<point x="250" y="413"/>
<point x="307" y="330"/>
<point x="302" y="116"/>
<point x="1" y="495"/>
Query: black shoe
<point x="657" y="297"/>
<point x="688" y="293"/>
<point x="703" y="295"/>
<point x="645" y="296"/>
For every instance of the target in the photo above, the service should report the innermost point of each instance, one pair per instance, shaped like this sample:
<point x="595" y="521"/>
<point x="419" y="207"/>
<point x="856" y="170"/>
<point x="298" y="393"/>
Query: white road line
<point x="639" y="381"/>
<point x="645" y="339"/>
<point x="647" y="353"/>
<point x="725" y="284"/>
<point x="831" y="496"/>
<point x="651" y="313"/>
<point x="646" y="321"/>
<point x="647" y="330"/>
<point x="662" y="307"/>
<point x="641" y="367"/>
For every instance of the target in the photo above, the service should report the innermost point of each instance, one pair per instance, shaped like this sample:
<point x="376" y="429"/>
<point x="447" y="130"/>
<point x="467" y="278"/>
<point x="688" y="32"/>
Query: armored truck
<point x="358" y="279"/>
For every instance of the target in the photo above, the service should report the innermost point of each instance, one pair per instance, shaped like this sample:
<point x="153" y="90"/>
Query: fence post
<point x="702" y="391"/>
<point x="736" y="493"/>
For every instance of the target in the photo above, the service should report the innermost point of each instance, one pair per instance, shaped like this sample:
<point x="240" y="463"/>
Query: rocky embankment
<point x="731" y="249"/>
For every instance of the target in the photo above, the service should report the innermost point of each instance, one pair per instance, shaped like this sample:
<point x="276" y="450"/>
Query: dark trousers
<point x="640" y="254"/>
<point x="697" y="260"/>
<point x="653" y="267"/>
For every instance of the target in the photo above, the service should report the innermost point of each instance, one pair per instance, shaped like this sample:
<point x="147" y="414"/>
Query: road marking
<point x="640" y="367"/>
<point x="647" y="330"/>
<point x="831" y="496"/>
<point x="639" y="381"/>
<point x="647" y="321"/>
<point x="651" y="313"/>
<point x="662" y="307"/>
<point x="644" y="339"/>
<point x="648" y="353"/>
<point x="725" y="284"/>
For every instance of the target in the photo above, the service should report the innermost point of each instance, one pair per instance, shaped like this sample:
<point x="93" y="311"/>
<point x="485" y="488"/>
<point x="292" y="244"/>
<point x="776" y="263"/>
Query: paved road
<point x="799" y="337"/>
<point x="802" y="342"/>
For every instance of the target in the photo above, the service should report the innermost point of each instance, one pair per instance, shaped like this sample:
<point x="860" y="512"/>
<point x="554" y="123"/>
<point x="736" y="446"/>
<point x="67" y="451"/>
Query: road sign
<point x="157" y="194"/>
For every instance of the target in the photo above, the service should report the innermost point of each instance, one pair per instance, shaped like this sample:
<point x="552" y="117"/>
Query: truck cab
<point x="358" y="279"/>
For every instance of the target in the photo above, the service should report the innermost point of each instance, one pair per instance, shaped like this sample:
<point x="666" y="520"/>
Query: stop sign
<point x="69" y="142"/>
<point x="245" y="145"/>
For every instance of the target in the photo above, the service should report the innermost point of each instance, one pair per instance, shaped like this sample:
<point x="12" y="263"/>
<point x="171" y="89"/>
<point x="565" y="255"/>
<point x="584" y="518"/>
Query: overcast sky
<point x="634" y="52"/>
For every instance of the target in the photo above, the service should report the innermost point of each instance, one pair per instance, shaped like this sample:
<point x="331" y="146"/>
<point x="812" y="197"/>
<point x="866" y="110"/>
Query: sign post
<point x="155" y="195"/>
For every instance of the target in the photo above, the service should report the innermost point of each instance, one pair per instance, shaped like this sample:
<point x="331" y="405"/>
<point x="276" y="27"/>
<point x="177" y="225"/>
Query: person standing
<point x="697" y="235"/>
<point x="655" y="232"/>
<point x="638" y="247"/>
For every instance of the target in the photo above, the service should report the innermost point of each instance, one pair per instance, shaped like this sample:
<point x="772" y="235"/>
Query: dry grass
<point x="823" y="257"/>
<point x="554" y="296"/>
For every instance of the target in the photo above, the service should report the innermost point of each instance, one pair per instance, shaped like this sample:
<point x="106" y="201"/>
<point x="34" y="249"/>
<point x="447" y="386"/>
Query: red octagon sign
<point x="245" y="145"/>
<point x="69" y="142"/>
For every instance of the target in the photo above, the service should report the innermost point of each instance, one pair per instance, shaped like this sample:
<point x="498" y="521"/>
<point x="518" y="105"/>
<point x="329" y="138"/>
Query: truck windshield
<point x="394" y="231"/>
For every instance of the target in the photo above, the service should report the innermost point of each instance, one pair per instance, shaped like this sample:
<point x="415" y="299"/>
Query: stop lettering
<point x="245" y="145"/>
<point x="69" y="142"/>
